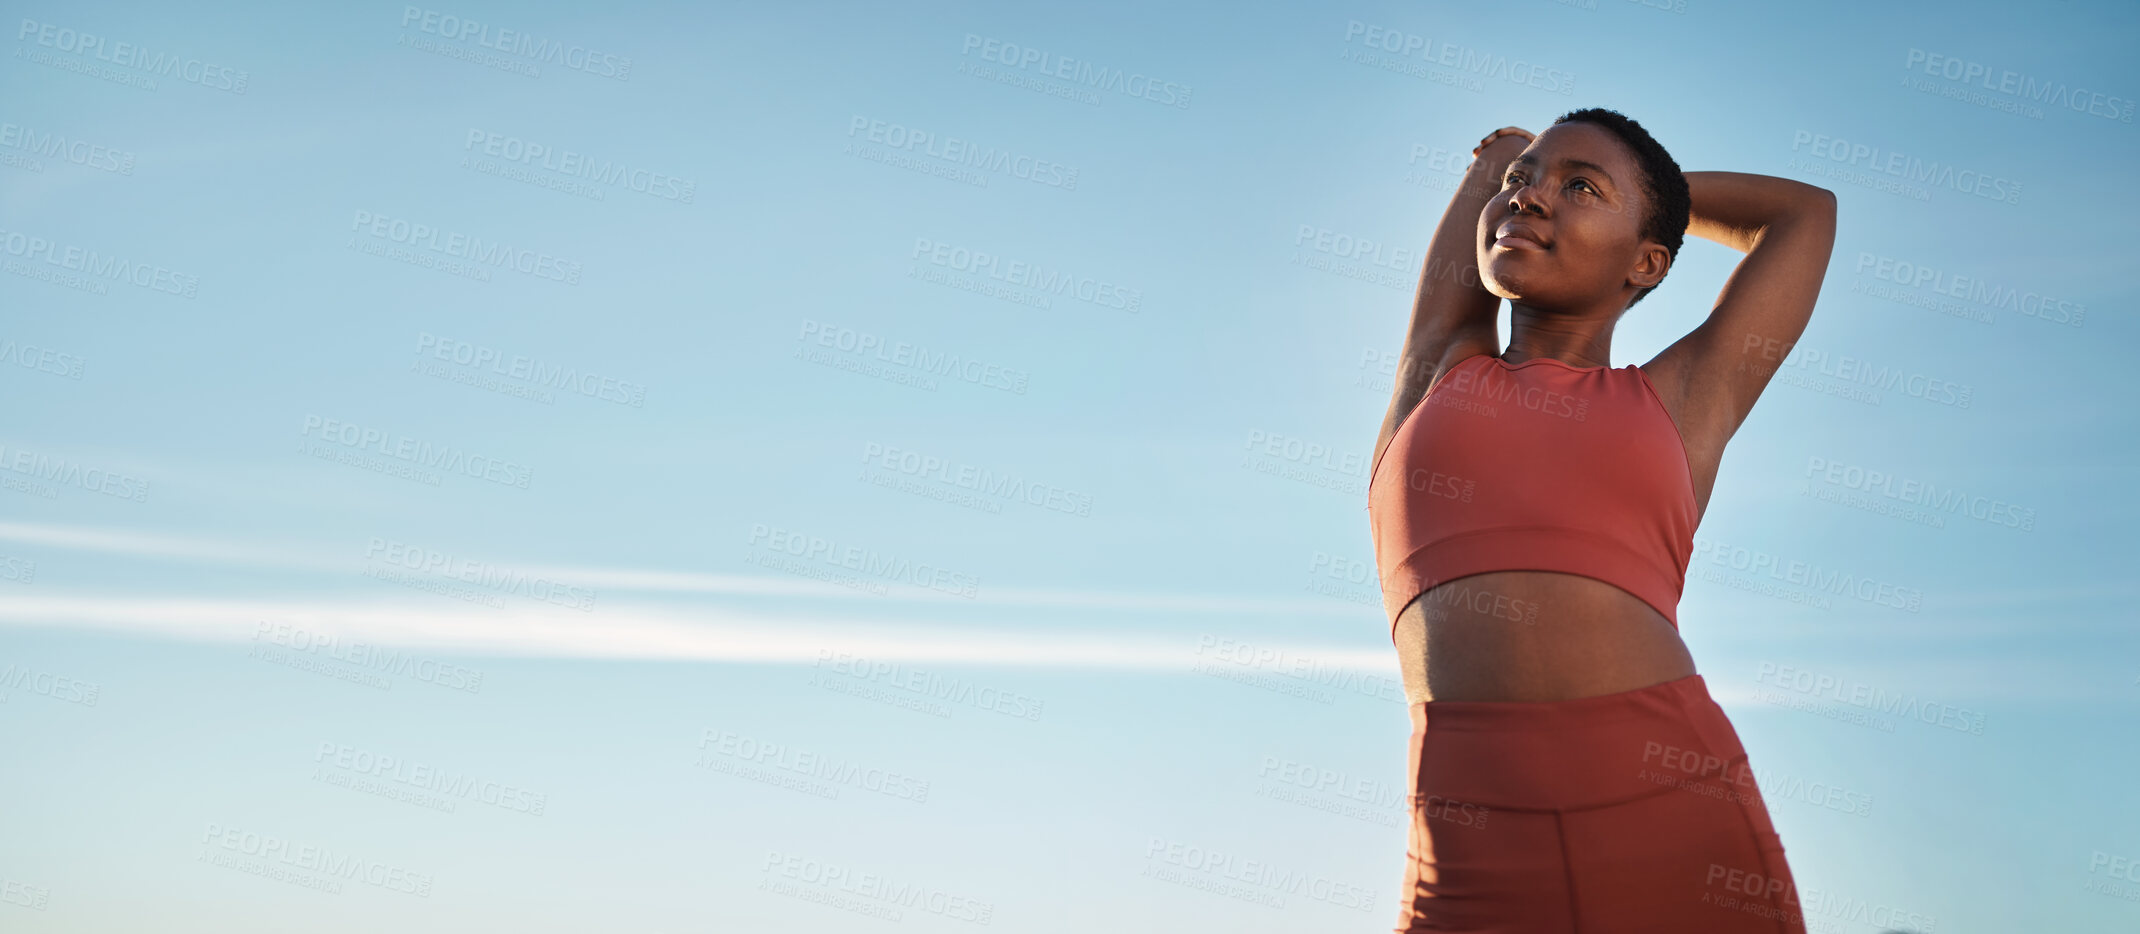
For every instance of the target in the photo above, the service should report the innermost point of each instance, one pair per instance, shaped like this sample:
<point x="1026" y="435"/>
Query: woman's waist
<point x="1534" y="636"/>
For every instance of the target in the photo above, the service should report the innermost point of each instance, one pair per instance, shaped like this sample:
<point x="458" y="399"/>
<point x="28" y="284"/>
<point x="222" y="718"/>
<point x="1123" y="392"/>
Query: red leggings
<point x="1624" y="812"/>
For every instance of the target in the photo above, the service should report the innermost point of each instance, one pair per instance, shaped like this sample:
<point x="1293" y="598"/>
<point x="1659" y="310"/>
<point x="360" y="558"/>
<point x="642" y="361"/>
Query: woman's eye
<point x="1514" y="179"/>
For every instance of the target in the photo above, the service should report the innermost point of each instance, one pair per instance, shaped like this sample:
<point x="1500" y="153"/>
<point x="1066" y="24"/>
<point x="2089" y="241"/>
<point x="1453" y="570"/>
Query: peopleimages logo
<point x="137" y="57"/>
<point x="312" y="858"/>
<point x="1076" y="70"/>
<point x="535" y="586"/>
<point x="952" y="151"/>
<point x="1402" y="46"/>
<point x="869" y="561"/>
<point x="429" y="778"/>
<point x="461" y="246"/>
<point x="16" y="677"/>
<point x="1973" y="289"/>
<point x="517" y="42"/>
<point x="924" y="683"/>
<point x="1905" y="166"/>
<point x="1868" y="697"/>
<point x="879" y="893"/>
<point x="63" y="472"/>
<point x="1027" y="275"/>
<point x="1226" y="866"/>
<point x="866" y="347"/>
<point x="57" y="146"/>
<point x="811" y="765"/>
<point x="1930" y="496"/>
<point x="534" y="373"/>
<point x="422" y="453"/>
<point x="99" y="265"/>
<point x="580" y="165"/>
<point x="931" y="469"/>
<point x="2021" y="87"/>
<point x="1709" y="551"/>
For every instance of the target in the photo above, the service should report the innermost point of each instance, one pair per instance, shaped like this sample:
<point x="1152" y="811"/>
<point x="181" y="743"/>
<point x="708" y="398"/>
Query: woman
<point x="1533" y="511"/>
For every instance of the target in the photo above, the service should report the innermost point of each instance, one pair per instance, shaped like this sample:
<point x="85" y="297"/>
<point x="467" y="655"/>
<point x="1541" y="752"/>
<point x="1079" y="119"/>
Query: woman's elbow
<point x="1821" y="200"/>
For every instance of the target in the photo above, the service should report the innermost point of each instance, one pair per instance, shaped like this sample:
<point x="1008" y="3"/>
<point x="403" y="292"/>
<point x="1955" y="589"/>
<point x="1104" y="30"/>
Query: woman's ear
<point x="1652" y="263"/>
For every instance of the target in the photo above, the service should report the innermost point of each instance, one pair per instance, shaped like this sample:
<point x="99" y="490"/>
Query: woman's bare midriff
<point x="1533" y="636"/>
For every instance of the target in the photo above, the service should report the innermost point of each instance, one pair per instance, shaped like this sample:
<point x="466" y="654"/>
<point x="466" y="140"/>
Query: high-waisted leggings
<point x="1633" y="811"/>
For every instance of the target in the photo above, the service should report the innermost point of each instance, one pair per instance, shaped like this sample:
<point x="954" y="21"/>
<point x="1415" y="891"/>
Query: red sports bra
<point x="1541" y="466"/>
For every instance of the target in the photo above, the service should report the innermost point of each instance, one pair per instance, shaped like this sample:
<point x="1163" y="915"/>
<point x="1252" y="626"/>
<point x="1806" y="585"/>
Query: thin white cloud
<point x="666" y="634"/>
<point x="121" y="541"/>
<point x="300" y="557"/>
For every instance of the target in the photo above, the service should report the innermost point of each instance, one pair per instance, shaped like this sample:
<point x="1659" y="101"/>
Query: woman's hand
<point x="1517" y="131"/>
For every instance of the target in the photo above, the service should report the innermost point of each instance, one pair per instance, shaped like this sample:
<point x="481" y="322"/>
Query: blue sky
<point x="776" y="469"/>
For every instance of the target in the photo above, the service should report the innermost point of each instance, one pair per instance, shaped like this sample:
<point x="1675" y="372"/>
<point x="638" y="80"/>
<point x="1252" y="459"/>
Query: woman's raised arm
<point x="1452" y="309"/>
<point x="1787" y="231"/>
<point x="1733" y="208"/>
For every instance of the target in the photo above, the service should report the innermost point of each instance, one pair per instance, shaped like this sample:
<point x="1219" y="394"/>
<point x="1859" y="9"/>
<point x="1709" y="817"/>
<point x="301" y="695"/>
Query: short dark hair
<point x="1664" y="186"/>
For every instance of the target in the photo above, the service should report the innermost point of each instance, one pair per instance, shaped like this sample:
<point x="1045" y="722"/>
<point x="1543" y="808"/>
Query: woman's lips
<point x="1517" y="243"/>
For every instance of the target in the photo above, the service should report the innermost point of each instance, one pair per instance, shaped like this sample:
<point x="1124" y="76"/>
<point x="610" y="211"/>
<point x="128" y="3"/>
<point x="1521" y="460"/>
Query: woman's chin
<point x="1509" y="287"/>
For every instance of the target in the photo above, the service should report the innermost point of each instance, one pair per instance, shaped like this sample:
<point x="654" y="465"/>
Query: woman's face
<point x="1585" y="221"/>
